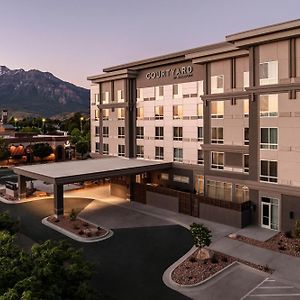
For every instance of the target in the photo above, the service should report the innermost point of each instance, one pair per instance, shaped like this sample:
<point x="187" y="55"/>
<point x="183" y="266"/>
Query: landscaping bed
<point x="283" y="243"/>
<point x="78" y="227"/>
<point x="194" y="270"/>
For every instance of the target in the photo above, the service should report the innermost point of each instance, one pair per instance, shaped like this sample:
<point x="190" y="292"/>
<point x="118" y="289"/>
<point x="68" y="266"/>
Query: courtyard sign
<point x="176" y="73"/>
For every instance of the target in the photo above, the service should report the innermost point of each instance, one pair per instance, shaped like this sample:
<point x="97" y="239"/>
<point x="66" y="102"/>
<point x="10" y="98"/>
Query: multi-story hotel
<point x="226" y="115"/>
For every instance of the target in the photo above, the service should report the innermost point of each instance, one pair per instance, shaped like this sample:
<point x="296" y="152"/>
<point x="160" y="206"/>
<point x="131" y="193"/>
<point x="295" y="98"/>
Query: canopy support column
<point x="58" y="199"/>
<point x="21" y="187"/>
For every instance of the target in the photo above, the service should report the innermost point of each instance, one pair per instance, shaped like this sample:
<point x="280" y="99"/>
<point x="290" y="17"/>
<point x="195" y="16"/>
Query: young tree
<point x="201" y="235"/>
<point x="4" y="152"/>
<point x="42" y="150"/>
<point x="82" y="147"/>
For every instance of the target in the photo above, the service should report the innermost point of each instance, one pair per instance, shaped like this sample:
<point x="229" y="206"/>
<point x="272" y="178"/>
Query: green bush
<point x="201" y="235"/>
<point x="8" y="224"/>
<point x="296" y="231"/>
<point x="73" y="215"/>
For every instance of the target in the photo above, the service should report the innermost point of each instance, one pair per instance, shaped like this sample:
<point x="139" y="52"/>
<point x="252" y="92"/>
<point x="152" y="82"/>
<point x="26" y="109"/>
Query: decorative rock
<point x="233" y="235"/>
<point x="204" y="254"/>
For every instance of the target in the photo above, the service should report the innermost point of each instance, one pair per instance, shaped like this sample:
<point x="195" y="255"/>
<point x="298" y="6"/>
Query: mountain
<point x="40" y="93"/>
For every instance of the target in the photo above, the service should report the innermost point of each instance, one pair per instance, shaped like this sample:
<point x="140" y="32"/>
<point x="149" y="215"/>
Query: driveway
<point x="131" y="263"/>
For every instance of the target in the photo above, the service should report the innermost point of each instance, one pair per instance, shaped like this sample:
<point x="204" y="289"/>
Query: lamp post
<point x="81" y="120"/>
<point x="43" y="120"/>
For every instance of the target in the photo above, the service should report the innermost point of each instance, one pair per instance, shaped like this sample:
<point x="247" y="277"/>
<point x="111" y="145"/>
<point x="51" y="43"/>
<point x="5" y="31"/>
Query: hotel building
<point x="226" y="115"/>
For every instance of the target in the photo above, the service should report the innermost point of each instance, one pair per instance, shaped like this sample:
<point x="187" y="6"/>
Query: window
<point x="105" y="113"/>
<point x="200" y="88"/>
<point x="164" y="176"/>
<point x="96" y="113"/>
<point x="140" y="132"/>
<point x="139" y="151"/>
<point x="268" y="171"/>
<point x="159" y="112"/>
<point x="217" y="84"/>
<point x="200" y="110"/>
<point x="269" y="105"/>
<point x="200" y="160"/>
<point x="199" y="184"/>
<point x="105" y="97"/>
<point x="200" y="134"/>
<point x="178" y="154"/>
<point x="105" y="149"/>
<point x="241" y="193"/>
<point x="159" y="133"/>
<point x="219" y="190"/>
<point x="182" y="179"/>
<point x="159" y="92"/>
<point x="97" y="130"/>
<point x="97" y="146"/>
<point x="246" y="108"/>
<point x="121" y="113"/>
<point x="268" y="138"/>
<point x="138" y="94"/>
<point x="120" y="95"/>
<point x="246" y="136"/>
<point x="159" y="153"/>
<point x="217" y="160"/>
<point x="217" y="109"/>
<point x="268" y="72"/>
<point x="177" y="112"/>
<point x="246" y="80"/>
<point x="246" y="163"/>
<point x="105" y="131"/>
<point x="96" y="98"/>
<point x="217" y="135"/>
<point x="175" y="90"/>
<point x="177" y="133"/>
<point x="121" y="150"/>
<point x="121" y="132"/>
<point x="140" y="113"/>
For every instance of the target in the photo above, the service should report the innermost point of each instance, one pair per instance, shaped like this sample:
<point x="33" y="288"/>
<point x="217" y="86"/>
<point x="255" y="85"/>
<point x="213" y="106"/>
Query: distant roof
<point x="7" y="126"/>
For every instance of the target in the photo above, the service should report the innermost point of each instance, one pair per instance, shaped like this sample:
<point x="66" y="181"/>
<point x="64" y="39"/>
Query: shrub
<point x="193" y="259"/>
<point x="73" y="215"/>
<point x="297" y="229"/>
<point x="288" y="234"/>
<point x="7" y="223"/>
<point x="224" y="259"/>
<point x="201" y="235"/>
<point x="297" y="248"/>
<point x="266" y="268"/>
<point x="214" y="259"/>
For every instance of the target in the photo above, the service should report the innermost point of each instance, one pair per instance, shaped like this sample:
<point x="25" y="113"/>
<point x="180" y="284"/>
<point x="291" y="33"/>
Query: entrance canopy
<point x="92" y="169"/>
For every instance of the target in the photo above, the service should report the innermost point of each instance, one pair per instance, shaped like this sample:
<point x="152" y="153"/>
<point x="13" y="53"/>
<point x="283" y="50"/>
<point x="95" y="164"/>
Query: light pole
<point x="43" y="120"/>
<point x="81" y="120"/>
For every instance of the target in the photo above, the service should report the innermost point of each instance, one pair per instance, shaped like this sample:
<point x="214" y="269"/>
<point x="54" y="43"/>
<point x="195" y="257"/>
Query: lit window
<point x="177" y="133"/>
<point x="178" y="154"/>
<point x="140" y="113"/>
<point x="217" y="160"/>
<point x="217" y="135"/>
<point x="120" y="94"/>
<point x="199" y="184"/>
<point x="177" y="112"/>
<point x="246" y="79"/>
<point x="217" y="109"/>
<point x="121" y="132"/>
<point x="217" y="84"/>
<point x="246" y="108"/>
<point x="96" y="113"/>
<point x="241" y="193"/>
<point x="121" y="150"/>
<point x="138" y="94"/>
<point x="219" y="190"/>
<point x="105" y="113"/>
<point x="159" y="153"/>
<point x="269" y="105"/>
<point x="200" y="160"/>
<point x="121" y="113"/>
<point x="105" y="97"/>
<point x="159" y="112"/>
<point x="159" y="133"/>
<point x="200" y="110"/>
<point x="268" y="72"/>
<point x="268" y="138"/>
<point x="140" y="151"/>
<point x="246" y="163"/>
<point x="140" y="132"/>
<point x="268" y="171"/>
<point x="105" y="131"/>
<point x="182" y="179"/>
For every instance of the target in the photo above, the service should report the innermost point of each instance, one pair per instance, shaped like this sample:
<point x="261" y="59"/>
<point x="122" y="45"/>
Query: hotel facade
<point x="226" y="115"/>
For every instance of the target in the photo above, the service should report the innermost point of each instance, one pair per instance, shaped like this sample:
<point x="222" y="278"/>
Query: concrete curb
<point x="3" y="200"/>
<point x="74" y="236"/>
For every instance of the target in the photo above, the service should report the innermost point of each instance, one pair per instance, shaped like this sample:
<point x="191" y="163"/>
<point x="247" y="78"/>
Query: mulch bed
<point x="78" y="227"/>
<point x="192" y="270"/>
<point x="279" y="243"/>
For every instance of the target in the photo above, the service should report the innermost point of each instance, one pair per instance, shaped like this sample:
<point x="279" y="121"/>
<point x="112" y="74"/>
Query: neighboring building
<point x="227" y="115"/>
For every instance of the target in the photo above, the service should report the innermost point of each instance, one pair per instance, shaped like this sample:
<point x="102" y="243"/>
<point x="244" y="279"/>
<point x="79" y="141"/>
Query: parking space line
<point x="245" y="296"/>
<point x="275" y="287"/>
<point x="274" y="295"/>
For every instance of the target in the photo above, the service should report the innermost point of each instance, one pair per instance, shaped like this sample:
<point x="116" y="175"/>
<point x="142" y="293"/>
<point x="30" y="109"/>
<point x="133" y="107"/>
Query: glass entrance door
<point x="266" y="215"/>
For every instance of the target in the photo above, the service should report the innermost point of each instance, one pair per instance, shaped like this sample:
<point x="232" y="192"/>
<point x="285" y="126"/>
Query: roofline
<point x="265" y="30"/>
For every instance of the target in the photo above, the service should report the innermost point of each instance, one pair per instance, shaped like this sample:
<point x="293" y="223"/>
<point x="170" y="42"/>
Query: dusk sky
<point x="76" y="38"/>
